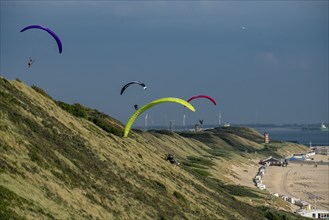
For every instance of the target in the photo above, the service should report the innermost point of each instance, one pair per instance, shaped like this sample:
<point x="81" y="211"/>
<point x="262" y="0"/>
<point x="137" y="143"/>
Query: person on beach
<point x="172" y="160"/>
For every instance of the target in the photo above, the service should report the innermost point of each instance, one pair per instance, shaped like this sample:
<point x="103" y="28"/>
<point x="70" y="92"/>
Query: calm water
<point x="317" y="137"/>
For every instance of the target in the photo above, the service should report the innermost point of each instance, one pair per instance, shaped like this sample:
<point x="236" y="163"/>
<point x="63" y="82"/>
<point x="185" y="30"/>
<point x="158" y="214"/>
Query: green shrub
<point x="272" y="214"/>
<point x="202" y="172"/>
<point x="76" y="109"/>
<point x="34" y="156"/>
<point x="8" y="199"/>
<point x="200" y="160"/>
<point x="159" y="186"/>
<point x="179" y="196"/>
<point x="239" y="191"/>
<point x="101" y="120"/>
<point x="41" y="91"/>
<point x="106" y="126"/>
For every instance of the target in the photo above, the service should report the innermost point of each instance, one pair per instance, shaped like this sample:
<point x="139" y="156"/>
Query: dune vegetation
<point x="68" y="161"/>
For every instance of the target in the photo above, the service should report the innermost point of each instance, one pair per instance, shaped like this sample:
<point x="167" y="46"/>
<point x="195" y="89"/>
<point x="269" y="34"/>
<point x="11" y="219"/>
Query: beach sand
<point x="301" y="181"/>
<point x="295" y="180"/>
<point x="243" y="175"/>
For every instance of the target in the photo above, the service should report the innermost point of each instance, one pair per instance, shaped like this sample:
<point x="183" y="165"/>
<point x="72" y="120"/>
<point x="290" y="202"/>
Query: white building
<point x="324" y="150"/>
<point x="315" y="213"/>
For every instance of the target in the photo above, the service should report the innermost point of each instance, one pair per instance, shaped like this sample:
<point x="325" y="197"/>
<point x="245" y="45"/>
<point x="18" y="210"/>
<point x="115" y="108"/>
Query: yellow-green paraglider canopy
<point x="134" y="116"/>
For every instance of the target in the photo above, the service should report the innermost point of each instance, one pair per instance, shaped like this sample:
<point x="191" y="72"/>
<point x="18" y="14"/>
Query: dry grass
<point x="57" y="166"/>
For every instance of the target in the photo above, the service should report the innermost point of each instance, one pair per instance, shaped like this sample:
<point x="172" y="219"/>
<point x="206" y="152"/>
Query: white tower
<point x="146" y="121"/>
<point x="219" y="118"/>
<point x="171" y="125"/>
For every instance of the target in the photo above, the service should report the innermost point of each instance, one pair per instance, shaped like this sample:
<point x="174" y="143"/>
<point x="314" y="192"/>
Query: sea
<point x="280" y="133"/>
<point x="297" y="135"/>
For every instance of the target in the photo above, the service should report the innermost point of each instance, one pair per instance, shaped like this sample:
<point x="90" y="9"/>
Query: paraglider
<point x="131" y="83"/>
<point x="59" y="43"/>
<point x="202" y="96"/>
<point x="135" y="115"/>
<point x="172" y="160"/>
<point x="29" y="64"/>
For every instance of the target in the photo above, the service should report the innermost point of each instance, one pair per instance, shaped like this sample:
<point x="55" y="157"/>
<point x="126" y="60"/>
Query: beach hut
<point x="310" y="154"/>
<point x="261" y="186"/>
<point x="306" y="206"/>
<point x="261" y="173"/>
<point x="285" y="198"/>
<point x="271" y="161"/>
<point x="292" y="200"/>
<point x="324" y="150"/>
<point x="303" y="204"/>
<point x="276" y="194"/>
<point x="257" y="178"/>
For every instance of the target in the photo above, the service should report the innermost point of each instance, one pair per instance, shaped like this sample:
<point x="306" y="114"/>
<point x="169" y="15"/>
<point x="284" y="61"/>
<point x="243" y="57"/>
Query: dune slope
<point x="61" y="161"/>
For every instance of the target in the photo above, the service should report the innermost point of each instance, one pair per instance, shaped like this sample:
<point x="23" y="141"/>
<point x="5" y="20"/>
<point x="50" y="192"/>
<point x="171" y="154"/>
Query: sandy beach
<point x="303" y="181"/>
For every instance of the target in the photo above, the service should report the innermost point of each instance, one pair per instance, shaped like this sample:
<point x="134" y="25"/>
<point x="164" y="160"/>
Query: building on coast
<point x="314" y="213"/>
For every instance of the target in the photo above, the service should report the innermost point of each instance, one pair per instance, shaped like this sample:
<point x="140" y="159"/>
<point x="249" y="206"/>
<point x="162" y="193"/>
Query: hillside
<point x="62" y="161"/>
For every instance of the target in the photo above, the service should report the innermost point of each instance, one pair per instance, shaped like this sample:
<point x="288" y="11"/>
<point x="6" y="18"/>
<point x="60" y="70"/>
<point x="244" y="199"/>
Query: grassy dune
<point x="62" y="161"/>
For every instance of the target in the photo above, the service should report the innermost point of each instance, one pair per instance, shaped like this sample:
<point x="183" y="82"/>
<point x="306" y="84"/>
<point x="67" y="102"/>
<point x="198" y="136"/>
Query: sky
<point x="262" y="61"/>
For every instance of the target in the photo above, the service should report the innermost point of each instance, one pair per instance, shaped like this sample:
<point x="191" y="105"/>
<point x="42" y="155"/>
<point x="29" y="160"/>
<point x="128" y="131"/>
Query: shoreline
<point x="301" y="180"/>
<point x="305" y="181"/>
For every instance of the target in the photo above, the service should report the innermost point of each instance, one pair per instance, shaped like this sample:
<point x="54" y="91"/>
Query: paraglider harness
<point x="171" y="159"/>
<point x="29" y="64"/>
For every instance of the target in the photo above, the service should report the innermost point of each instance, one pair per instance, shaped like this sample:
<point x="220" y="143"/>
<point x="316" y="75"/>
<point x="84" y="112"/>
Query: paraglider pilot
<point x="172" y="160"/>
<point x="29" y="64"/>
<point x="136" y="106"/>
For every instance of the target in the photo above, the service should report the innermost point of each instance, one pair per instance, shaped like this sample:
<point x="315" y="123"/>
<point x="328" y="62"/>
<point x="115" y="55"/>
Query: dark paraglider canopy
<point x="131" y="83"/>
<point x="58" y="40"/>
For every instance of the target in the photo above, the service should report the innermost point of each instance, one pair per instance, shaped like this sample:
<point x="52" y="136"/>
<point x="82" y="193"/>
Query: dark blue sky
<point x="262" y="61"/>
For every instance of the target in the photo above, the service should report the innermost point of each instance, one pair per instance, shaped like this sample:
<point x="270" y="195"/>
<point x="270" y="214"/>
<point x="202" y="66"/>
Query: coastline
<point x="303" y="181"/>
<point x="299" y="180"/>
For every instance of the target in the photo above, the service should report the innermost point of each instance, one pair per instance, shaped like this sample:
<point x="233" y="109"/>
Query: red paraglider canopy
<point x="202" y="96"/>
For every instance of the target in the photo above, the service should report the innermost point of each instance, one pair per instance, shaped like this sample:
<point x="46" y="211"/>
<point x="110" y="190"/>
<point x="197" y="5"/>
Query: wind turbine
<point x="146" y="121"/>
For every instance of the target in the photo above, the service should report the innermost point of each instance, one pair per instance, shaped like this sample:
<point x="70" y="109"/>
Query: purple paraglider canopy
<point x="59" y="43"/>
